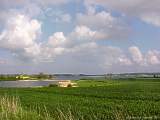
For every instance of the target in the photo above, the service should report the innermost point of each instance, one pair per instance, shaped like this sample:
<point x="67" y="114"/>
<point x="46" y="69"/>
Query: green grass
<point x="94" y="99"/>
<point x="11" y="109"/>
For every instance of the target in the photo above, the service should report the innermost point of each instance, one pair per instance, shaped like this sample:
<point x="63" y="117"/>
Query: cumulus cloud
<point x="114" y="56"/>
<point x="107" y="25"/>
<point x="146" y="10"/>
<point x="80" y="37"/>
<point x="20" y="34"/>
<point x="97" y="54"/>
<point x="20" y="37"/>
<point x="97" y="20"/>
<point x="54" y="46"/>
<point x="136" y="55"/>
<point x="81" y="44"/>
<point x="152" y="57"/>
<point x="125" y="61"/>
<point x="84" y="33"/>
<point x="57" y="39"/>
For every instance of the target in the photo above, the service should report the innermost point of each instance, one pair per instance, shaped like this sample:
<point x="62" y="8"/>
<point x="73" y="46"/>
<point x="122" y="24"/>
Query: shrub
<point x="69" y="85"/>
<point x="53" y="85"/>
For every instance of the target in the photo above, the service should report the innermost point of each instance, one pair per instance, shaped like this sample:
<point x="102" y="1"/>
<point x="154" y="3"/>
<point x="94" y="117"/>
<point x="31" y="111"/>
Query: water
<point x="63" y="77"/>
<point x="74" y="77"/>
<point x="24" y="84"/>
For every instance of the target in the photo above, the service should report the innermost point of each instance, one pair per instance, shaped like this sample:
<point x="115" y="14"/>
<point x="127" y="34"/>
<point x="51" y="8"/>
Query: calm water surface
<point x="25" y="83"/>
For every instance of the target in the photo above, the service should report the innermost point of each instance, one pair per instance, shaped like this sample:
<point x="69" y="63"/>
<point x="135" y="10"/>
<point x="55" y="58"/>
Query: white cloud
<point x="96" y="57"/>
<point x="96" y="20"/>
<point x="20" y="36"/>
<point x="151" y="18"/>
<point x="21" y="33"/>
<point x="107" y="25"/>
<point x="153" y="57"/>
<point x="136" y="55"/>
<point x="57" y="39"/>
<point x="53" y="47"/>
<point x="57" y="16"/>
<point x="59" y="44"/>
<point x="125" y="61"/>
<point x="81" y="45"/>
<point x="85" y="33"/>
<point x="143" y="9"/>
<point x="22" y="30"/>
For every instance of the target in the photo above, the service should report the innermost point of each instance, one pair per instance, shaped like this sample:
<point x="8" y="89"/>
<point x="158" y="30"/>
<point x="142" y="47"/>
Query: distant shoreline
<point x="36" y="80"/>
<point x="33" y="80"/>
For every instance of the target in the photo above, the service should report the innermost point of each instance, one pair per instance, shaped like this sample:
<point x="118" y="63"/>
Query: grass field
<point x="94" y="100"/>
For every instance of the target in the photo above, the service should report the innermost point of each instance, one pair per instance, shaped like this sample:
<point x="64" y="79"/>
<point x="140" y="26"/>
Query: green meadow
<point x="92" y="100"/>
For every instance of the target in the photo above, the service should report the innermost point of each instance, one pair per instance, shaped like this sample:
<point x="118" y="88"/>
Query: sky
<point x="79" y="36"/>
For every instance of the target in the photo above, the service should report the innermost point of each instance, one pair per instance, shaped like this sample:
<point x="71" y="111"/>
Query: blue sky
<point x="79" y="36"/>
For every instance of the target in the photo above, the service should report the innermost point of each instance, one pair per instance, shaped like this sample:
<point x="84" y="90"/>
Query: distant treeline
<point x="26" y="76"/>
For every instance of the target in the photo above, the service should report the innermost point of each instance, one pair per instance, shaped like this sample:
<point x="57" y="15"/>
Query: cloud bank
<point x="85" y="42"/>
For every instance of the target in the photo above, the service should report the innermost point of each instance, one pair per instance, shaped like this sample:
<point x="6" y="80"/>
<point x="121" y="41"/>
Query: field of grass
<point x="93" y="100"/>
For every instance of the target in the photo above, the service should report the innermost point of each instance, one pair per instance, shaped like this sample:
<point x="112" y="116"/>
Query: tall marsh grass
<point x="11" y="109"/>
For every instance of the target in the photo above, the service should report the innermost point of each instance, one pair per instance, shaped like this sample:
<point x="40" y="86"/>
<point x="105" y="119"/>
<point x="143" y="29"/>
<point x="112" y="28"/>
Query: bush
<point x="53" y="85"/>
<point x="69" y="85"/>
